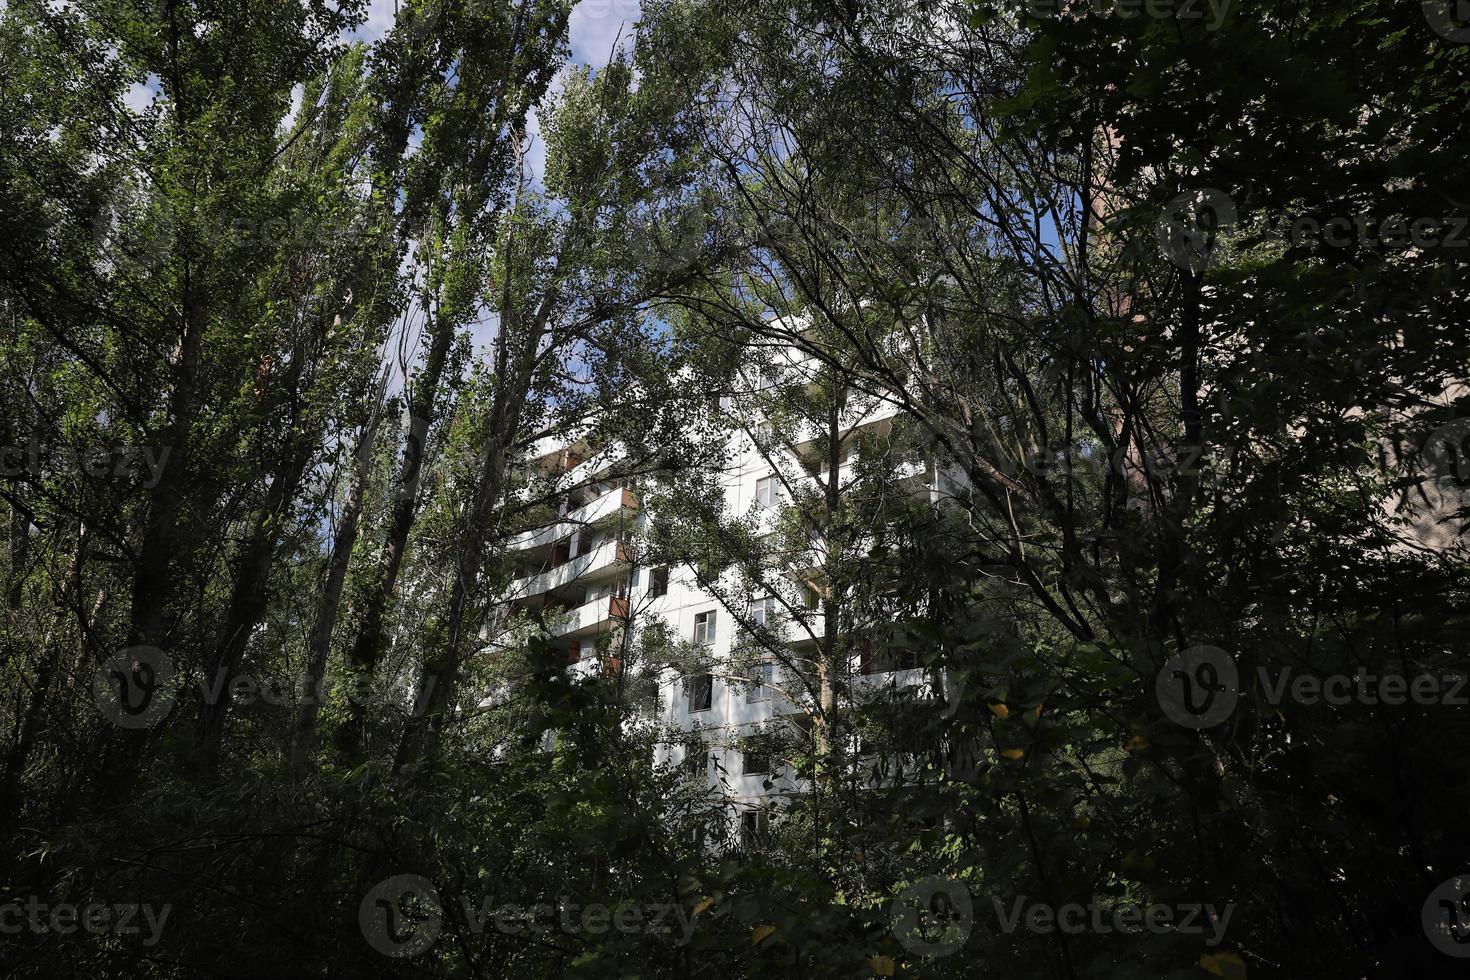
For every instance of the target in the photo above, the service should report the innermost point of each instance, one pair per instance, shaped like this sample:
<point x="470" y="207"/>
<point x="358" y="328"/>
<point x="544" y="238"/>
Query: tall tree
<point x="465" y="77"/>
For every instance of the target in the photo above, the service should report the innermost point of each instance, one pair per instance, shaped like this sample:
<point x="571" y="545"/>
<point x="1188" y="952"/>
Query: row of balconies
<point x="553" y="543"/>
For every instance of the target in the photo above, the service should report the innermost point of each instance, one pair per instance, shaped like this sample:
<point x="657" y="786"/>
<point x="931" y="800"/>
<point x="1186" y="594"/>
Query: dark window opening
<point x="658" y="582"/>
<point x="700" y="689"/>
<point x="696" y="757"/>
<point x="879" y="659"/>
<point x="755" y="758"/>
<point x="753" y="827"/>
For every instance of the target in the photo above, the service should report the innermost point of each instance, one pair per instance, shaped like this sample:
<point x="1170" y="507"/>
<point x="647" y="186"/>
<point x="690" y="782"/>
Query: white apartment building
<point x="582" y="575"/>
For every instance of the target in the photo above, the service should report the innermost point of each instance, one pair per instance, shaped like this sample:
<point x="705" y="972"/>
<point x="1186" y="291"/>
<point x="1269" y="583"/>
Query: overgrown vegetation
<point x="1171" y="309"/>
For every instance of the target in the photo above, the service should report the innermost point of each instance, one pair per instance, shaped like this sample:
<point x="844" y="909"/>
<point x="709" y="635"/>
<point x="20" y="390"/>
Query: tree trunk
<point x="248" y="598"/>
<point x="20" y="551"/>
<point x="153" y="575"/>
<point x="303" y="735"/>
<point x="439" y="682"/>
<point x="368" y="648"/>
<point x="40" y="693"/>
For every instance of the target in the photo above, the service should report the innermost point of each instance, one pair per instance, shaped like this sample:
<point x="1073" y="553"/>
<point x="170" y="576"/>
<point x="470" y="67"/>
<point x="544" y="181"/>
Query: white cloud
<point x="139" y="95"/>
<point x="596" y="25"/>
<point x="380" y="14"/>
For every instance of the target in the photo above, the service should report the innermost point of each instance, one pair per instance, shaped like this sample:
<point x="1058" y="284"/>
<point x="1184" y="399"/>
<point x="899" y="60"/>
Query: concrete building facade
<point x="582" y="579"/>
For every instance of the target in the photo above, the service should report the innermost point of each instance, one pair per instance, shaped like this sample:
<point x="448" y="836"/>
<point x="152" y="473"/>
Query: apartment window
<point x="696" y="757"/>
<point x="753" y="827"/>
<point x="766" y="493"/>
<point x="762" y="683"/>
<point x="658" y="582"/>
<point x="809" y="597"/>
<point x="755" y="758"/>
<point x="704" y="627"/>
<point x="763" y="611"/>
<point x="700" y="689"/>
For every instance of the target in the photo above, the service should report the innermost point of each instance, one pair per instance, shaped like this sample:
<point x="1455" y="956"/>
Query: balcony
<point x="864" y="413"/>
<point x="915" y="473"/>
<point x="591" y="618"/>
<point x="802" y="636"/>
<point x="570" y="466"/>
<point x="610" y="558"/>
<point x="592" y="467"/>
<point x="613" y="504"/>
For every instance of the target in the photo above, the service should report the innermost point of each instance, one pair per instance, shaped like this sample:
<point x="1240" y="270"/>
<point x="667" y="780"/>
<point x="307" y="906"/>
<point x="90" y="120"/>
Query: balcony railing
<point x="611" y="555"/>
<point x="592" y="617"/>
<point x="592" y="467"/>
<point x="863" y="413"/>
<point x="610" y="504"/>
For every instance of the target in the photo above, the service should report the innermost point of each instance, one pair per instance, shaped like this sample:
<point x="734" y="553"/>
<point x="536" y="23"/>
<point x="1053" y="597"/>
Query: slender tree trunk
<point x="831" y="491"/>
<point x="439" y="682"/>
<point x="248" y="599"/>
<point x="303" y="735"/>
<point x="40" y="694"/>
<point x="153" y="576"/>
<point x="367" y="650"/>
<point x="250" y="593"/>
<point x="20" y="552"/>
<point x="25" y="736"/>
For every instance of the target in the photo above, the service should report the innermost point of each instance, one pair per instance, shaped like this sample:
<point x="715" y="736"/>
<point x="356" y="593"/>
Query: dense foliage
<point x="1170" y="299"/>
